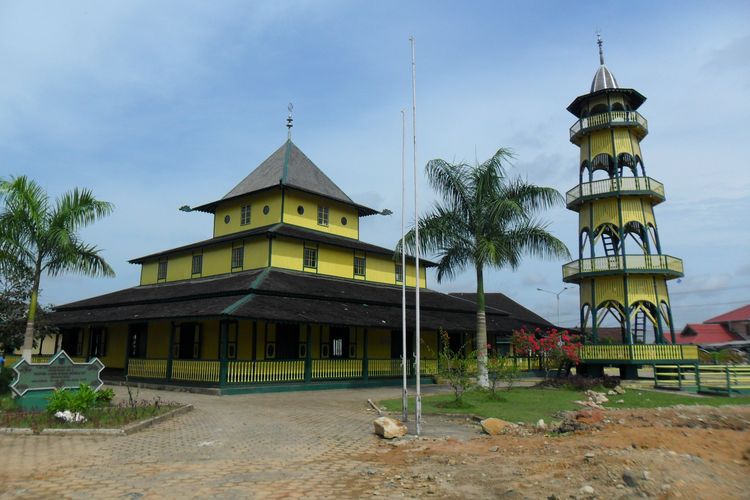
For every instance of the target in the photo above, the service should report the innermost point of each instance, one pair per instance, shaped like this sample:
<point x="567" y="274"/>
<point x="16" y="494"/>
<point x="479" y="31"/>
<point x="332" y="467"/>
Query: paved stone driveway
<point x="284" y="445"/>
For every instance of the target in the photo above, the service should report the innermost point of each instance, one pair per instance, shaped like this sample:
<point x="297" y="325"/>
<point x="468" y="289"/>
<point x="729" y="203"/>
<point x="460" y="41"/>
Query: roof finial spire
<point x="289" y="121"/>
<point x="600" y="42"/>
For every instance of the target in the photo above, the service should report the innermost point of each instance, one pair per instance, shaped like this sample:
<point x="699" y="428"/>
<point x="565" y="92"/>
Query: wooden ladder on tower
<point x="610" y="250"/>
<point x="638" y="331"/>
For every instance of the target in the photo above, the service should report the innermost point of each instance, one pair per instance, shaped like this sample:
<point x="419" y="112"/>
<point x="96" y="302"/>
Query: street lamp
<point x="557" y="296"/>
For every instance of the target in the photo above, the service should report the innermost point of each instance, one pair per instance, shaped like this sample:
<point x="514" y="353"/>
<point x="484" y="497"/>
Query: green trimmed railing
<point x="384" y="368"/>
<point x="147" y="368"/>
<point x="722" y="379"/>
<point x="637" y="263"/>
<point x="601" y="120"/>
<point x="637" y="353"/>
<point x="36" y="358"/>
<point x="326" y="369"/>
<point x="617" y="185"/>
<point x="195" y="370"/>
<point x="251" y="372"/>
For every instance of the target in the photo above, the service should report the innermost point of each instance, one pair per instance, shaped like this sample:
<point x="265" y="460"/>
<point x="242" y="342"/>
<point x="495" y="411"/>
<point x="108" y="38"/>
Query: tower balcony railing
<point x="665" y="265"/>
<point x="615" y="186"/>
<point x="601" y="120"/>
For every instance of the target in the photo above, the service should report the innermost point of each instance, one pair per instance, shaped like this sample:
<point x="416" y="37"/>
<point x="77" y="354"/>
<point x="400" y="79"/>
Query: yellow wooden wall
<point x="640" y="288"/>
<point x="309" y="218"/>
<point x="257" y="201"/>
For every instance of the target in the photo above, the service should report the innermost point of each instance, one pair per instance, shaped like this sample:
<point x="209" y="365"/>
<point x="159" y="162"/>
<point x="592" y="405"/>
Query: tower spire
<point x="289" y="121"/>
<point x="600" y="42"/>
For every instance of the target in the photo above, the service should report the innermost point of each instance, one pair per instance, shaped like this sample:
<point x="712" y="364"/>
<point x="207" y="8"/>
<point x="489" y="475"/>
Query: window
<point x="359" y="266"/>
<point x="238" y="256"/>
<point x="399" y="272"/>
<point x="98" y="345"/>
<point x="310" y="257"/>
<point x="162" y="273"/>
<point x="245" y="216"/>
<point x="197" y="264"/>
<point x="322" y="216"/>
<point x="137" y="340"/>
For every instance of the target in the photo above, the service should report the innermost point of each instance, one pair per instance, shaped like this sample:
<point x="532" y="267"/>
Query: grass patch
<point x="106" y="417"/>
<point x="530" y="404"/>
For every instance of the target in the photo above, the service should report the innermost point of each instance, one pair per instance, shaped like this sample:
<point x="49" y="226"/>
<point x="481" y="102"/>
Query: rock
<point x="495" y="449"/>
<point x="494" y="426"/>
<point x="646" y="475"/>
<point x="588" y="457"/>
<point x="597" y="397"/>
<point x="618" y="389"/>
<point x="611" y="392"/>
<point x="629" y="479"/>
<point x="540" y="425"/>
<point x="587" y="490"/>
<point x="389" y="428"/>
<point x="620" y="401"/>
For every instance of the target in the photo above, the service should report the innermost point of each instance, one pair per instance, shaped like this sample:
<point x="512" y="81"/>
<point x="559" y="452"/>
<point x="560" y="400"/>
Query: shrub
<point x="455" y="367"/>
<point x="80" y="401"/>
<point x="6" y="378"/>
<point x="104" y="396"/>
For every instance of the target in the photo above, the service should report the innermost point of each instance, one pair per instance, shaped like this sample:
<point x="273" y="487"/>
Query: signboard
<point x="60" y="372"/>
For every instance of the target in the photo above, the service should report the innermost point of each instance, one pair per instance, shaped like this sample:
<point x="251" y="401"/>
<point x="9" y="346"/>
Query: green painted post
<point x="170" y="351"/>
<point x="729" y="381"/>
<point x="308" y="355"/>
<point x="697" y="369"/>
<point x="223" y="346"/>
<point x="679" y="376"/>
<point x="365" y="358"/>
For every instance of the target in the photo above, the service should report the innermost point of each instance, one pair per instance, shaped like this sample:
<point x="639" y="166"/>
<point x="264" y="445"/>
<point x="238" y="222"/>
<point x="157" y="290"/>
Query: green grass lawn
<point x="530" y="404"/>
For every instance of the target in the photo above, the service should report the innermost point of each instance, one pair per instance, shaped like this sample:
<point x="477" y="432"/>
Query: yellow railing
<point x="336" y="368"/>
<point x="621" y="185"/>
<point x="727" y="379"/>
<point x="609" y="118"/>
<point x="665" y="264"/>
<point x="429" y="366"/>
<point x="638" y="352"/>
<point x="147" y="368"/>
<point x="248" y="372"/>
<point x="193" y="370"/>
<point x="36" y="358"/>
<point x="384" y="368"/>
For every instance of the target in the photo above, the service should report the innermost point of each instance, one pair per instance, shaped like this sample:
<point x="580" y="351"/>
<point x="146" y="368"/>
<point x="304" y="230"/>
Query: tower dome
<point x="603" y="79"/>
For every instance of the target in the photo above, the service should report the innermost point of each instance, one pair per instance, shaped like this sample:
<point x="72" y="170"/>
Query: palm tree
<point x="485" y="220"/>
<point x="40" y="237"/>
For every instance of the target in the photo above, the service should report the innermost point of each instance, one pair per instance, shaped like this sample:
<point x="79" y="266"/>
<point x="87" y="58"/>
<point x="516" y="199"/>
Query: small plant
<point x="500" y="369"/>
<point x="80" y="400"/>
<point x="104" y="396"/>
<point x="6" y="378"/>
<point x="455" y="368"/>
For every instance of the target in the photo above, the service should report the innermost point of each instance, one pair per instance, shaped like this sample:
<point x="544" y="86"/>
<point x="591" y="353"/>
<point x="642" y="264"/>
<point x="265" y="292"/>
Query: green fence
<point x="719" y="379"/>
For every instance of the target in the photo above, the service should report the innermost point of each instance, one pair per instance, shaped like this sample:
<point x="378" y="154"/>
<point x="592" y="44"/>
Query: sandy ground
<point x="681" y="452"/>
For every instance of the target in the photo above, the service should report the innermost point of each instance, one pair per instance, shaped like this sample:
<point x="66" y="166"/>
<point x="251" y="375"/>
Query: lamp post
<point x="557" y="296"/>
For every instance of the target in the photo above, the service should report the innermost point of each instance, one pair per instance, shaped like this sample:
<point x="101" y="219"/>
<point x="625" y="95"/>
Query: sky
<point x="155" y="105"/>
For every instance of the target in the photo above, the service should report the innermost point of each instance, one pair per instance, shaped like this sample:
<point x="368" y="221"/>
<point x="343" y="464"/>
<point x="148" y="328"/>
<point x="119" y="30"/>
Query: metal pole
<point x="557" y="296"/>
<point x="418" y="402"/>
<point x="404" y="361"/>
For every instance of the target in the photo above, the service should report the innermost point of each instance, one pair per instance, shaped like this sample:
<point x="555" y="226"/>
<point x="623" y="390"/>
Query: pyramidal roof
<point x="289" y="166"/>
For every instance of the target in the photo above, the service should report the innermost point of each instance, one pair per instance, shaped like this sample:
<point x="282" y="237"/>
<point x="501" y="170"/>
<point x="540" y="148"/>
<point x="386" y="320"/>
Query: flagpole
<point x="404" y="359"/>
<point x="418" y="340"/>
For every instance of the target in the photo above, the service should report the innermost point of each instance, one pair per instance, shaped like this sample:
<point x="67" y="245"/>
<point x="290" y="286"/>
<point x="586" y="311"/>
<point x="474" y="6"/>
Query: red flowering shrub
<point x="555" y="349"/>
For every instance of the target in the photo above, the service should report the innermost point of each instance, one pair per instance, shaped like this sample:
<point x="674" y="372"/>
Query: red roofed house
<point x="731" y="326"/>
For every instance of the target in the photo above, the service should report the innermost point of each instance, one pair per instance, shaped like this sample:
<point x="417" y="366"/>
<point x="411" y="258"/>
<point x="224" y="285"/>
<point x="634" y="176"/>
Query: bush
<point x="80" y="400"/>
<point x="6" y="378"/>
<point x="580" y="383"/>
<point x="455" y="368"/>
<point x="104" y="396"/>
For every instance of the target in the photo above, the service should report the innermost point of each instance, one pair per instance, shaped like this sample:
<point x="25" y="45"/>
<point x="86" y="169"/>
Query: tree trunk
<point x="28" y="337"/>
<point x="481" y="347"/>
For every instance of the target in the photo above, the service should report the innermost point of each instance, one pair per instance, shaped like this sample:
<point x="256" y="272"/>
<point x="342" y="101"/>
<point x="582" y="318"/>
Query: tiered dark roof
<point x="287" y="296"/>
<point x="281" y="229"/>
<point x="519" y="316"/>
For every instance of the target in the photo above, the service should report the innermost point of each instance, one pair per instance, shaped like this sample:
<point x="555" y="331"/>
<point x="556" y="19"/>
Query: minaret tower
<point x="621" y="270"/>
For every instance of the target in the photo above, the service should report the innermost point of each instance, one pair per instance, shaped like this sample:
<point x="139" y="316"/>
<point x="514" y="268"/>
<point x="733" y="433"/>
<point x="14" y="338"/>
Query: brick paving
<point x="283" y="445"/>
